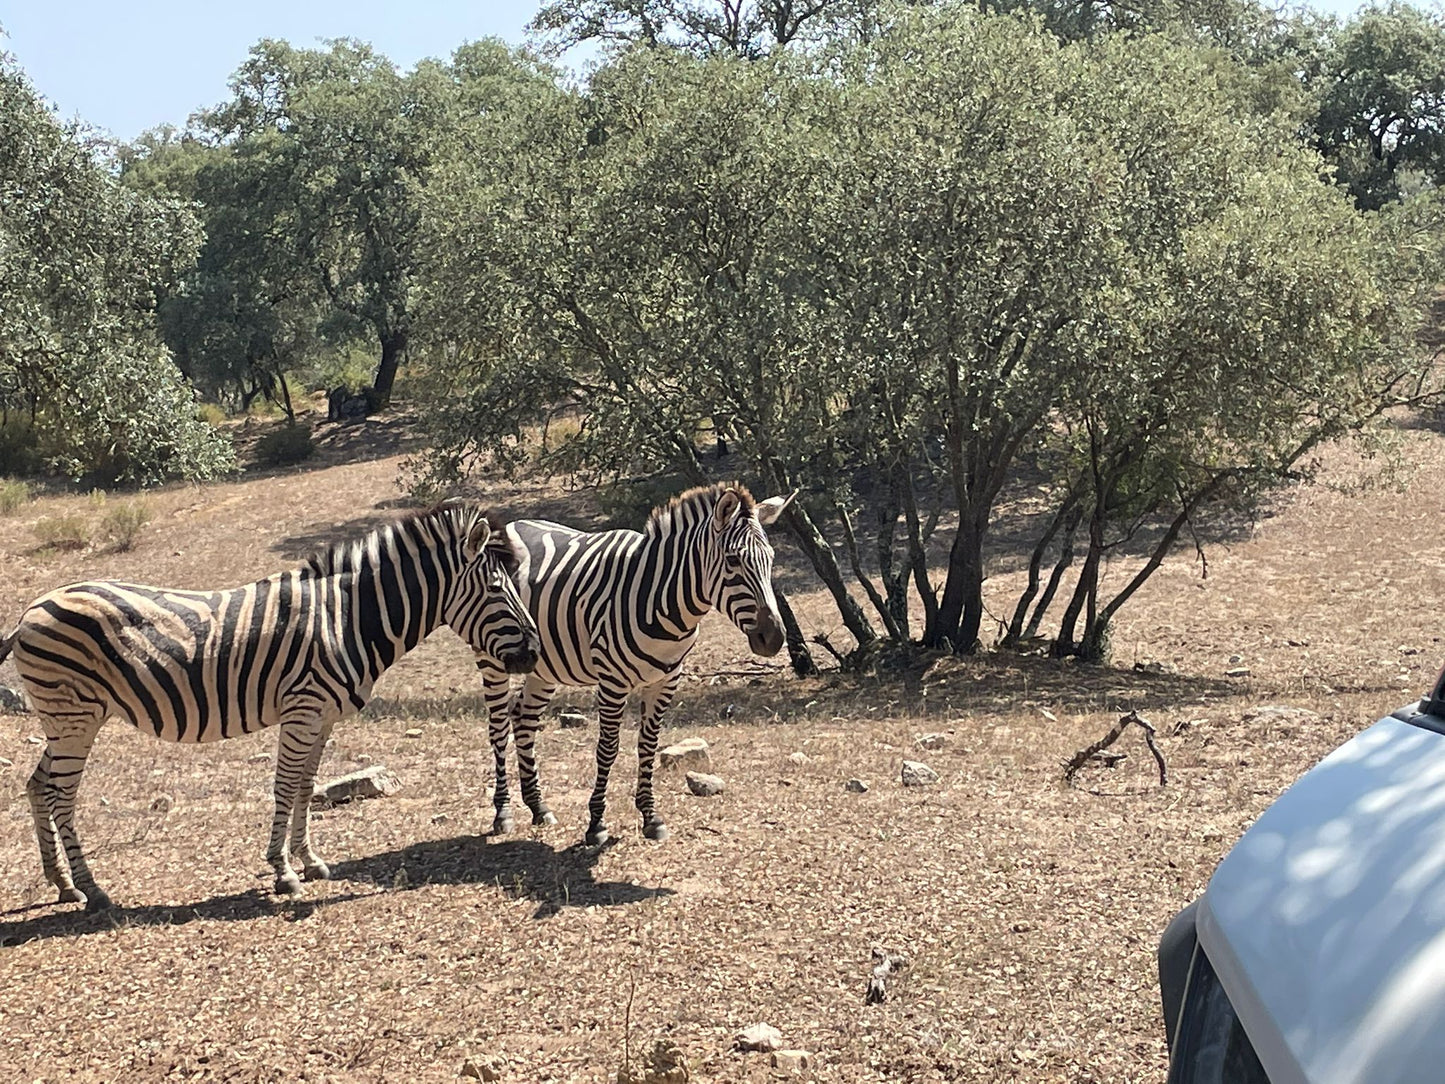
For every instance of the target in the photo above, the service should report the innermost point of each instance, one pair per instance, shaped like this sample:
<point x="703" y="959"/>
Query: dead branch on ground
<point x="1089" y="752"/>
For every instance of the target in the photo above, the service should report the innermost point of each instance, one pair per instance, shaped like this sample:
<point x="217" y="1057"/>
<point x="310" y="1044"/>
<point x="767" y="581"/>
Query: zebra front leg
<point x="655" y="701"/>
<point x="496" y="691"/>
<point x="297" y="741"/>
<point x="611" y="703"/>
<point x="66" y="751"/>
<point x="56" y="873"/>
<point x="311" y="863"/>
<point x="536" y="694"/>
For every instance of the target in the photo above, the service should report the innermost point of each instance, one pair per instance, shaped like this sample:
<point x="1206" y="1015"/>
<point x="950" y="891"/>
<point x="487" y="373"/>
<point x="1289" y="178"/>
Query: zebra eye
<point x="732" y="560"/>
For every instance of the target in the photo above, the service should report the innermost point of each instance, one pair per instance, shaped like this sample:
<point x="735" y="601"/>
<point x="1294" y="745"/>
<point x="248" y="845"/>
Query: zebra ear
<point x="769" y="510"/>
<point x="728" y="506"/>
<point x="478" y="537"/>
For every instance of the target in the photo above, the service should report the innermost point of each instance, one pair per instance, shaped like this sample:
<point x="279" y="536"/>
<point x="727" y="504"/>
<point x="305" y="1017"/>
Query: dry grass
<point x="1030" y="911"/>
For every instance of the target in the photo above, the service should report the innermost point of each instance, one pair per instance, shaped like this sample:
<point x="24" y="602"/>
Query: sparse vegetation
<point x="285" y="446"/>
<point x="13" y="494"/>
<point x="68" y="531"/>
<point x="123" y="522"/>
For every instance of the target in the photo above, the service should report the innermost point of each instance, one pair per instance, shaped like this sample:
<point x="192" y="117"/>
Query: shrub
<point x="289" y="444"/>
<point x="13" y="493"/>
<point x="211" y="413"/>
<point x="67" y="532"/>
<point x="123" y="522"/>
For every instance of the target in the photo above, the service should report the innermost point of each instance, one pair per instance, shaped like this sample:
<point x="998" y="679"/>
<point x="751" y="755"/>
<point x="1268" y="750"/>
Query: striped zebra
<point x="299" y="650"/>
<point x="620" y="610"/>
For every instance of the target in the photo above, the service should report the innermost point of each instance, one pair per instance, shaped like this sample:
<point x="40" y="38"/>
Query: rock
<point x="6" y="762"/>
<point x="932" y="741"/>
<point x="414" y="732"/>
<point x="571" y="720"/>
<point x="440" y="818"/>
<point x="377" y="781"/>
<point x="704" y="785"/>
<point x="917" y="774"/>
<point x="12" y="701"/>
<point x="798" y="758"/>
<point x="792" y="1061"/>
<point x="481" y="1070"/>
<point x="856" y="786"/>
<point x="35" y="739"/>
<point x="1235" y="660"/>
<point x="762" y="1037"/>
<point x="1269" y="713"/>
<point x="258" y="758"/>
<point x="1237" y="671"/>
<point x="690" y="754"/>
<point x="162" y="803"/>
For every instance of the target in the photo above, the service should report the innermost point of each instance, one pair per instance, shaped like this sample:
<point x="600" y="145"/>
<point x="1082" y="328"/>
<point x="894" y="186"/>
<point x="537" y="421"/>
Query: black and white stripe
<point x="299" y="650"/>
<point x="620" y="610"/>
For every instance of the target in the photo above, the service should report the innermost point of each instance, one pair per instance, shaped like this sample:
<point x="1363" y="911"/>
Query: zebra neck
<point x="675" y="593"/>
<point x="392" y="602"/>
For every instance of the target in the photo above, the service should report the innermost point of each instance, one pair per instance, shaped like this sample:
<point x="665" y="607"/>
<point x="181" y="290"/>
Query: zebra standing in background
<point x="620" y="610"/>
<point x="300" y="649"/>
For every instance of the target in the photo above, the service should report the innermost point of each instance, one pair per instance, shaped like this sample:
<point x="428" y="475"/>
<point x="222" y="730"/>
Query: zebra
<point x="299" y="650"/>
<point x="620" y="610"/>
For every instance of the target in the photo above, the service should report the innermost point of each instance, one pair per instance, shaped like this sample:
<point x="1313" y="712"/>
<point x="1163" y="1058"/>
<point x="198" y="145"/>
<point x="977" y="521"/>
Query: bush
<point x="13" y="493"/>
<point x="123" y="522"/>
<point x="211" y="413"/>
<point x="67" y="532"/>
<point x="290" y="444"/>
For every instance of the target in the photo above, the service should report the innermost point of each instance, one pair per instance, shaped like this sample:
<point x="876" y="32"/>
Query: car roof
<point x="1326" y="922"/>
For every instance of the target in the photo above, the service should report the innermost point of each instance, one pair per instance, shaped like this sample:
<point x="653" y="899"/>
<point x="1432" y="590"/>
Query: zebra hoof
<point x="597" y="835"/>
<point x="318" y="871"/>
<point x="502" y="825"/>
<point x="96" y="901"/>
<point x="288" y="885"/>
<point x="656" y="830"/>
<point x="71" y="894"/>
<point x="544" y="816"/>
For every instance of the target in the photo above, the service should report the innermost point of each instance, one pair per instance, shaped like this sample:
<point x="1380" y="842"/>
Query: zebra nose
<point x="766" y="637"/>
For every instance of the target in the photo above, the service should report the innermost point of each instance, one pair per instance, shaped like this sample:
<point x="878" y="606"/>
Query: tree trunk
<point x="815" y="547"/>
<point x="1084" y="590"/>
<point x="802" y="658"/>
<point x="1066" y="517"/>
<point x="392" y="348"/>
<point x="960" y="614"/>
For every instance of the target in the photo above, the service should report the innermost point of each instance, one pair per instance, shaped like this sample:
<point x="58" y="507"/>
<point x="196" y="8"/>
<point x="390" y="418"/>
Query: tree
<point x="1382" y="108"/>
<point x="83" y="261"/>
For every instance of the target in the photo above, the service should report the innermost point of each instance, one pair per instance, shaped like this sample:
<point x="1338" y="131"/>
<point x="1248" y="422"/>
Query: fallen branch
<point x="1083" y="756"/>
<point x="884" y="964"/>
<point x="821" y="639"/>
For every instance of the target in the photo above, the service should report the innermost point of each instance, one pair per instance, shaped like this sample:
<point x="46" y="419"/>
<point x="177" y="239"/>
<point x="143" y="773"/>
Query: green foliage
<point x="122" y="523"/>
<point x="285" y="446"/>
<point x="13" y="494"/>
<point x="71" y="531"/>
<point x="82" y="263"/>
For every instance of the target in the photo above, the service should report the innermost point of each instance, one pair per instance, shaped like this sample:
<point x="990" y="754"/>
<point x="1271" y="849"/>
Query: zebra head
<point x="744" y="567"/>
<point x="484" y="608"/>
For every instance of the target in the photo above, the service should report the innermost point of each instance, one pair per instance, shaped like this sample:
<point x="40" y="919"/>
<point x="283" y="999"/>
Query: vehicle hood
<point x="1326" y="922"/>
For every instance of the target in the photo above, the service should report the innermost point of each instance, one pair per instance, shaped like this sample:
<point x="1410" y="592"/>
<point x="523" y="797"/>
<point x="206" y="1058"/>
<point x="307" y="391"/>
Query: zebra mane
<point x="342" y="554"/>
<point x="698" y="498"/>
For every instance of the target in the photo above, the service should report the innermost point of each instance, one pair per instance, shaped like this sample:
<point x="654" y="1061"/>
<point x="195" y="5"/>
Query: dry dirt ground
<point x="1030" y="911"/>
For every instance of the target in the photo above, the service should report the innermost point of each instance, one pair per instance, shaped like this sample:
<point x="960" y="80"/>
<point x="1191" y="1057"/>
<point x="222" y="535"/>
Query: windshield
<point x="1212" y="1046"/>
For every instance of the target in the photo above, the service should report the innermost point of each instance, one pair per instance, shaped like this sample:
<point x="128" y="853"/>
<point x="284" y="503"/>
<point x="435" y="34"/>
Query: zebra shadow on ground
<point x="524" y="869"/>
<point x="72" y="921"/>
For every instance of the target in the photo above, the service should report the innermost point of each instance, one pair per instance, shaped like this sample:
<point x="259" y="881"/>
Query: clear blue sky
<point x="127" y="67"/>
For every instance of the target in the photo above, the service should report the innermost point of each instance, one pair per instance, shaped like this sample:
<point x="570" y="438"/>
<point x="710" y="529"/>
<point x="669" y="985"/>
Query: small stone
<point x="440" y="818"/>
<point x="362" y="758"/>
<point x="762" y="1037"/>
<point x="798" y="758"/>
<point x="917" y="774"/>
<point x="377" y="781"/>
<point x="162" y="803"/>
<point x="481" y="1070"/>
<point x="704" y="785"/>
<point x="1237" y="671"/>
<point x="1235" y="659"/>
<point x="258" y="758"/>
<point x="690" y="754"/>
<point x="6" y="762"/>
<point x="414" y="732"/>
<point x="571" y="720"/>
<point x="35" y="739"/>
<point x="792" y="1061"/>
<point x="856" y="786"/>
<point x="932" y="741"/>
<point x="12" y="701"/>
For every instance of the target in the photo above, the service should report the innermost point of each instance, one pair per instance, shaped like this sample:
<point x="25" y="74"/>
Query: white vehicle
<point x="1317" y="953"/>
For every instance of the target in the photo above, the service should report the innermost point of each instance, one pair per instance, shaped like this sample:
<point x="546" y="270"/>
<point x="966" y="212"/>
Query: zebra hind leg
<point x="655" y="701"/>
<point x="496" y="691"/>
<point x="610" y="705"/>
<point x="67" y="748"/>
<point x="298" y="739"/>
<point x="56" y="872"/>
<point x="535" y="696"/>
<point x="311" y="863"/>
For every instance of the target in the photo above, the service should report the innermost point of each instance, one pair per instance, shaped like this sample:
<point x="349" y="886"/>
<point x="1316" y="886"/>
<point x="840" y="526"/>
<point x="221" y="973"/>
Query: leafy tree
<point x="82" y="264"/>
<point x="1382" y="109"/>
